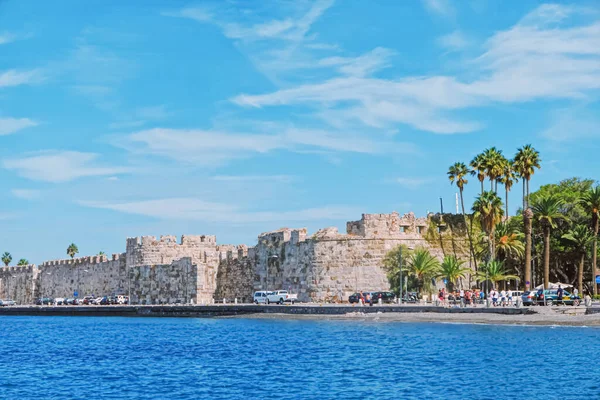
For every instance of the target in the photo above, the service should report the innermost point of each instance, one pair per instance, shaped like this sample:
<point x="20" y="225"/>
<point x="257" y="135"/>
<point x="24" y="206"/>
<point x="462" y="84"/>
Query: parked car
<point x="87" y="300"/>
<point x="104" y="301"/>
<point x="97" y="300"/>
<point x="281" y="296"/>
<point x="355" y="297"/>
<point x="386" y="297"/>
<point x="529" y="298"/>
<point x="112" y="300"/>
<point x="4" y="303"/>
<point x="260" y="297"/>
<point x="59" y="301"/>
<point x="44" y="301"/>
<point x="550" y="297"/>
<point x="70" y="302"/>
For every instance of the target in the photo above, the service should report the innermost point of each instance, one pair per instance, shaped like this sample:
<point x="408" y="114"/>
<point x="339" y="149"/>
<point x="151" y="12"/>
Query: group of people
<point x="472" y="297"/>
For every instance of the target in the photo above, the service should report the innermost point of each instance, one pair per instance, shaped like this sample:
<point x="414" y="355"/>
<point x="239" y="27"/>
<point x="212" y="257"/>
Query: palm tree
<point x="23" y="262"/>
<point x="101" y="253"/>
<point x="424" y="267"/>
<point x="452" y="269"/>
<point x="477" y="165"/>
<point x="547" y="211"/>
<point x="72" y="250"/>
<point x="579" y="239"/>
<point x="6" y="258"/>
<point x="525" y="162"/>
<point x="495" y="272"/>
<point x="509" y="241"/>
<point x="488" y="208"/>
<point x="508" y="178"/>
<point x="494" y="166"/>
<point x="591" y="201"/>
<point x="457" y="174"/>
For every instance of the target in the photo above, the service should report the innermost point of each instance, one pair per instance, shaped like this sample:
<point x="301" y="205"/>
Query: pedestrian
<point x="362" y="298"/>
<point x="481" y="295"/>
<point x="468" y="297"/>
<point x="494" y="297"/>
<point x="559" y="293"/>
<point x="509" y="294"/>
<point x="503" y="298"/>
<point x="441" y="296"/>
<point x="462" y="297"/>
<point x="575" y="292"/>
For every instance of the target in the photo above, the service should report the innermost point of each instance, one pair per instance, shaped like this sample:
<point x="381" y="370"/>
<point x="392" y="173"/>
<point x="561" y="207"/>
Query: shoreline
<point x="545" y="319"/>
<point x="532" y="316"/>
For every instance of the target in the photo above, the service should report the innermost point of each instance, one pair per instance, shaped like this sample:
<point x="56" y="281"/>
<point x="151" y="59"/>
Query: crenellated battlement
<point x="83" y="260"/>
<point x="387" y="225"/>
<point x="185" y="240"/>
<point x="18" y="269"/>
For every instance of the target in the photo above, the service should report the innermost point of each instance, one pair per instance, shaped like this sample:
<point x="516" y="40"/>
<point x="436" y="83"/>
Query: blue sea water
<point x="169" y="358"/>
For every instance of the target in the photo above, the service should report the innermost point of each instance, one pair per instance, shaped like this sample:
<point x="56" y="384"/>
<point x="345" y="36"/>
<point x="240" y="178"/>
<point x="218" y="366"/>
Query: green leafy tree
<point x="452" y="269"/>
<point x="591" y="202"/>
<point x="391" y="262"/>
<point x="6" y="258"/>
<point x="488" y="208"/>
<point x="101" y="253"/>
<point x="478" y="167"/>
<point x="579" y="239"/>
<point x="547" y="211"/>
<point x="23" y="262"/>
<point x="457" y="174"/>
<point x="424" y="267"/>
<point x="72" y="250"/>
<point x="525" y="163"/>
<point x="494" y="271"/>
<point x="509" y="241"/>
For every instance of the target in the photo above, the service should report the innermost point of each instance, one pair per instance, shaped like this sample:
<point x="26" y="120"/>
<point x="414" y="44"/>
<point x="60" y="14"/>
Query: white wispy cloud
<point x="541" y="57"/>
<point x="13" y="125"/>
<point x="15" y="77"/>
<point x="26" y="194"/>
<point x="199" y="210"/>
<point x="278" y="46"/>
<point x="454" y="41"/>
<point x="362" y="65"/>
<point x="60" y="166"/>
<point x="7" y="38"/>
<point x="208" y="147"/>
<point x="443" y="8"/>
<point x="570" y="124"/>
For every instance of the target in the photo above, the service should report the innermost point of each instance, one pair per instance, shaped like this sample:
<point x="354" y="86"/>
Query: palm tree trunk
<point x="546" y="256"/>
<point x="527" y="222"/>
<point x="481" y="186"/>
<point x="491" y="245"/>
<point x="491" y="185"/>
<point x="524" y="196"/>
<point x="580" y="274"/>
<point x="471" y="250"/>
<point x="594" y="256"/>
<point x="506" y="203"/>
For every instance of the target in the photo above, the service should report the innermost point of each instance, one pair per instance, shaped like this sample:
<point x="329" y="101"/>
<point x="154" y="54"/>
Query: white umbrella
<point x="555" y="285"/>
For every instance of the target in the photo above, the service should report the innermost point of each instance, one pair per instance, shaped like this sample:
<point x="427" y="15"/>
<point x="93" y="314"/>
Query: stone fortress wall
<point x="325" y="266"/>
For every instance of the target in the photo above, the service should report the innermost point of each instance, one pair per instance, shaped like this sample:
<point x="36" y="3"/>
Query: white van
<point x="260" y="297"/>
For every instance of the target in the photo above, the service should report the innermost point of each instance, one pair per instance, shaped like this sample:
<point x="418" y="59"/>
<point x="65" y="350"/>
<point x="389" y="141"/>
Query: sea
<point x="246" y="358"/>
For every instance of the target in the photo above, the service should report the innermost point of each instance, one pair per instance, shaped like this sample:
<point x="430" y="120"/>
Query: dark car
<point x="104" y="301"/>
<point x="44" y="301"/>
<point x="386" y="297"/>
<point x="355" y="297"/>
<point x="549" y="297"/>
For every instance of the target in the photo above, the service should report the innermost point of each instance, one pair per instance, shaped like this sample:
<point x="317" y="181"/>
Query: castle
<point x="326" y="265"/>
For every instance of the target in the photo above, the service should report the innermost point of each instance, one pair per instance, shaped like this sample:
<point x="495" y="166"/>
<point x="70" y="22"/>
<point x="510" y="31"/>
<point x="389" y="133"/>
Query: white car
<point x="121" y="299"/>
<point x="281" y="296"/>
<point x="59" y="301"/>
<point x="260" y="297"/>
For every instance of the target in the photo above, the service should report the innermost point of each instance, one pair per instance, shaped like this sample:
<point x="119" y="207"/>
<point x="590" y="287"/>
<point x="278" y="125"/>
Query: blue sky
<point x="238" y="117"/>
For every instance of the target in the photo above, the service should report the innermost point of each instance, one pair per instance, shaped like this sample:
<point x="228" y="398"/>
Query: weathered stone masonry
<point x="326" y="265"/>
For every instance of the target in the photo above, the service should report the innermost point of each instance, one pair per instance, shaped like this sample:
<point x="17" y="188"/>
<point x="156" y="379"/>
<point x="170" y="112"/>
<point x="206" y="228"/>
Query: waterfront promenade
<point x="408" y="313"/>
